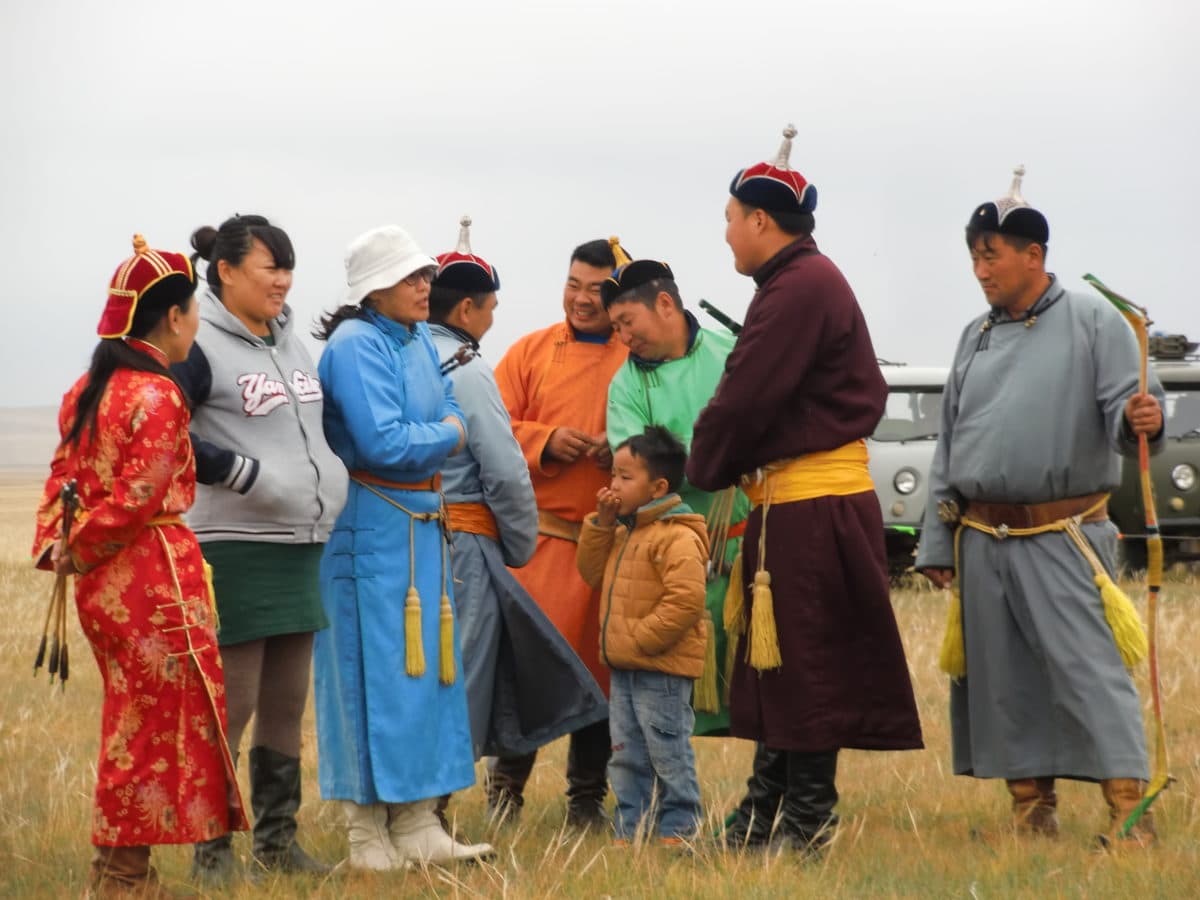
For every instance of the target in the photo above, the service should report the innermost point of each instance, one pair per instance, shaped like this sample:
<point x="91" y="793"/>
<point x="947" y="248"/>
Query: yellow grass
<point x="909" y="828"/>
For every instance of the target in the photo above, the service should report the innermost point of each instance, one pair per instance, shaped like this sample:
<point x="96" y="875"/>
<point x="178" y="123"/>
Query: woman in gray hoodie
<point x="270" y="490"/>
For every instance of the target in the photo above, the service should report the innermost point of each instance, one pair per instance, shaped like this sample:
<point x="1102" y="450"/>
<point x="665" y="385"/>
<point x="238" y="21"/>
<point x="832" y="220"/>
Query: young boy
<point x="648" y="550"/>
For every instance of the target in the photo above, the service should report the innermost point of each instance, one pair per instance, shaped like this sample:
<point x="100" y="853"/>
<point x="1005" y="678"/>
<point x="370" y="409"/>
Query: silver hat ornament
<point x="785" y="149"/>
<point x="1013" y="199"/>
<point x="464" y="236"/>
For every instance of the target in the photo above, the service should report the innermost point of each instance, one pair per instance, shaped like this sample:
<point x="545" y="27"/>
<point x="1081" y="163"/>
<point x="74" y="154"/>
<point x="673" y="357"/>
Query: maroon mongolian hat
<point x="1010" y="215"/>
<point x="462" y="270"/>
<point x="148" y="271"/>
<point x="775" y="186"/>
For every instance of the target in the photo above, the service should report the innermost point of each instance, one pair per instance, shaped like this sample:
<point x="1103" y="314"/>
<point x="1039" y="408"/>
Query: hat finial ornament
<point x="139" y="244"/>
<point x="620" y="257"/>
<point x="1013" y="199"/>
<point x="785" y="149"/>
<point x="464" y="236"/>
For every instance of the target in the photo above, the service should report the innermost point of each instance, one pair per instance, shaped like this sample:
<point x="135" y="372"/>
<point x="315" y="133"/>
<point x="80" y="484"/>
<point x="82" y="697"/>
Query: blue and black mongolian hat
<point x="462" y="270"/>
<point x="1010" y="215"/>
<point x="633" y="275"/>
<point x="775" y="186"/>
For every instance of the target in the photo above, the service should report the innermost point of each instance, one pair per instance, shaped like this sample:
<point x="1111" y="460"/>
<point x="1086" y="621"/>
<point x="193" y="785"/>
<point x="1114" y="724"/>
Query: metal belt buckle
<point x="1001" y="531"/>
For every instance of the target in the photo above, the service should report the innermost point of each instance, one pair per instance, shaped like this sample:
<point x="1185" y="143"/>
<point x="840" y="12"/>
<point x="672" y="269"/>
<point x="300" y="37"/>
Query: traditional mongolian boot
<point x="275" y="798"/>
<point x="807" y="819"/>
<point x="417" y="837"/>
<point x="506" y="780"/>
<point x="370" y="844"/>
<point x="213" y="862"/>
<point x="1034" y="805"/>
<point x="754" y="821"/>
<point x="587" y="777"/>
<point x="125" y="872"/>
<point x="1122" y="796"/>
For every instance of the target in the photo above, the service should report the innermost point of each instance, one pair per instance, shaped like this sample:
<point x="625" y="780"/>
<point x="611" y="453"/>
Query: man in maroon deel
<point x="818" y="664"/>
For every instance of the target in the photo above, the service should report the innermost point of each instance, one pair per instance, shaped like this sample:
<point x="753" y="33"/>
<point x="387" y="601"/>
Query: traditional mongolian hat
<point x="462" y="270"/>
<point x="632" y="275"/>
<point x="165" y="276"/>
<point x="1011" y="215"/>
<point x="775" y="186"/>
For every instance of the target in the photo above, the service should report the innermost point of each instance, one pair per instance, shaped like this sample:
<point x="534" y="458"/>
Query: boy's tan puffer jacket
<point x="652" y="583"/>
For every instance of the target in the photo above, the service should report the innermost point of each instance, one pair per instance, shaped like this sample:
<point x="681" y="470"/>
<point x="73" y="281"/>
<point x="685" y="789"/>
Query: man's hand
<point x="600" y="452"/>
<point x="1144" y="415"/>
<point x="462" y="434"/>
<point x="607" y="505"/>
<point x="61" y="560"/>
<point x="567" y="444"/>
<point x="941" y="578"/>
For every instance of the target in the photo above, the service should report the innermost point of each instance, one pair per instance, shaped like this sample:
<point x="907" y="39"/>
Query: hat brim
<point x="386" y="278"/>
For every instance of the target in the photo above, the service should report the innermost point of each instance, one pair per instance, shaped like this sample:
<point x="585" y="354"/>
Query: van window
<point x="1183" y="413"/>
<point x="912" y="414"/>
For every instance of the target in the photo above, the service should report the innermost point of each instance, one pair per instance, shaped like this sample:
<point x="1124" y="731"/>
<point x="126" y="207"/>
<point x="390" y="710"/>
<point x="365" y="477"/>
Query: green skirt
<point x="265" y="589"/>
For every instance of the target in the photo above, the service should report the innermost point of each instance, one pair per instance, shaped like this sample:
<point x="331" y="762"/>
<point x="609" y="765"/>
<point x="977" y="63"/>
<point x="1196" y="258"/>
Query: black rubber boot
<point x="275" y="799"/>
<point x="808" y="821"/>
<point x="213" y="863"/>
<point x="754" y="820"/>
<point x="587" y="776"/>
<point x="506" y="781"/>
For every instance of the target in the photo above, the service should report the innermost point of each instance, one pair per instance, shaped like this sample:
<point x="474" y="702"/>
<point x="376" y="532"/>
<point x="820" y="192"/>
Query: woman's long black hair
<point x="113" y="353"/>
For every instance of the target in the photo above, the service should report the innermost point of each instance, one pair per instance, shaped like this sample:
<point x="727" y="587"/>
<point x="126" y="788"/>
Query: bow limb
<point x="1138" y="320"/>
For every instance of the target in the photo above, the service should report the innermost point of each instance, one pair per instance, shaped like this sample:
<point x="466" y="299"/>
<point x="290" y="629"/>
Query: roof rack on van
<point x="1171" y="346"/>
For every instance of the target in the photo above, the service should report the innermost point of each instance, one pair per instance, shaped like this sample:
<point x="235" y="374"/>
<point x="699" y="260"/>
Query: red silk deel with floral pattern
<point x="165" y="775"/>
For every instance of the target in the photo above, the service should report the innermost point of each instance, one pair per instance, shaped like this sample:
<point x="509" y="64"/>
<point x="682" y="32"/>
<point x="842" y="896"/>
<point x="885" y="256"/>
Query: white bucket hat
<point x="380" y="258"/>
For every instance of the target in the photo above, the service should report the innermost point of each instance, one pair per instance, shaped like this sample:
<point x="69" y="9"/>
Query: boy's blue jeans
<point x="651" y="720"/>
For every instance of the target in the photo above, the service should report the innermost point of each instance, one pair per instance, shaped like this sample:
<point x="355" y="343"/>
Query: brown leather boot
<point x="1035" y="806"/>
<point x="125" y="872"/>
<point x="1122" y="795"/>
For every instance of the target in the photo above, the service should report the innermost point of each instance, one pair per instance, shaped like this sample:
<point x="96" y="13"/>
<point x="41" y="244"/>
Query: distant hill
<point x="28" y="436"/>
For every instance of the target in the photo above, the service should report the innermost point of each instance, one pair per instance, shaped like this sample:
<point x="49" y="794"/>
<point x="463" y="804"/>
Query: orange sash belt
<point x="472" y="518"/>
<point x="557" y="527"/>
<point x="429" y="484"/>
<point x="158" y="521"/>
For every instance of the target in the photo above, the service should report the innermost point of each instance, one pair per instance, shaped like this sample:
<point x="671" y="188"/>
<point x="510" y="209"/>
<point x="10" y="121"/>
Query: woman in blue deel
<point x="392" y="723"/>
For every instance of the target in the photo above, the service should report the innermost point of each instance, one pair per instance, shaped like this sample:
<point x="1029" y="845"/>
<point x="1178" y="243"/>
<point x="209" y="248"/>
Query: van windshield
<point x="1183" y="412"/>
<point x="912" y="414"/>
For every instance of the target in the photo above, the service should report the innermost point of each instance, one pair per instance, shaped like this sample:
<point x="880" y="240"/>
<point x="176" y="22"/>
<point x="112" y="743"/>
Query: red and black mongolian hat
<point x="1011" y="215"/>
<point x="464" y="271"/>
<point x="158" y="273"/>
<point x="775" y="186"/>
<point x="633" y="275"/>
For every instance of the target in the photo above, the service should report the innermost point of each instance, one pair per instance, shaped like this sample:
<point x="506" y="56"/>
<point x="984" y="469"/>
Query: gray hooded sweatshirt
<point x="264" y="469"/>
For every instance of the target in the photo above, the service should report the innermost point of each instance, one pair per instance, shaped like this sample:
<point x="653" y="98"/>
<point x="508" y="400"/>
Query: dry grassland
<point x="909" y="828"/>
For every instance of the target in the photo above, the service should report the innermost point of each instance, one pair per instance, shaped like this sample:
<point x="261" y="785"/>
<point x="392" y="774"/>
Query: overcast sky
<point x="553" y="123"/>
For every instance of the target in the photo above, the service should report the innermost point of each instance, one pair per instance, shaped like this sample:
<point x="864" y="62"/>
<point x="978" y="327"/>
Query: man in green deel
<point x="673" y="368"/>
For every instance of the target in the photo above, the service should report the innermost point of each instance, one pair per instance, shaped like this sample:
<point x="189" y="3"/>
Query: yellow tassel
<point x="764" y="640"/>
<point x="734" y="615"/>
<point x="1124" y="621"/>
<point x="446" y="642"/>
<point x="212" y="595"/>
<point x="953" y="658"/>
<point x="706" y="685"/>
<point x="414" y="652"/>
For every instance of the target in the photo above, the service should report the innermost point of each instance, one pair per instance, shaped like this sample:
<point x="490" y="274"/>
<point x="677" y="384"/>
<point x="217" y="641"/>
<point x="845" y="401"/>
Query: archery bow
<point x="1138" y="319"/>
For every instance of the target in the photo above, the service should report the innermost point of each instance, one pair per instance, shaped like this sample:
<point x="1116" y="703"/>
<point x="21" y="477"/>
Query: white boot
<point x="417" y="836"/>
<point x="370" y="844"/>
